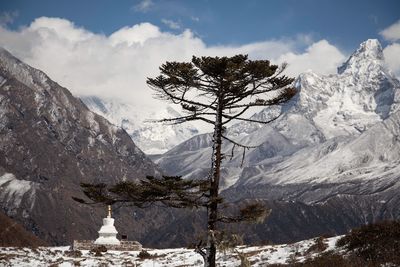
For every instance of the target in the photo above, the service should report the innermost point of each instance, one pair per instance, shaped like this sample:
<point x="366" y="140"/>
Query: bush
<point x="376" y="243"/>
<point x="144" y="255"/>
<point x="73" y="253"/>
<point x="318" y="246"/>
<point x="227" y="242"/>
<point x="330" y="259"/>
<point x="98" y="250"/>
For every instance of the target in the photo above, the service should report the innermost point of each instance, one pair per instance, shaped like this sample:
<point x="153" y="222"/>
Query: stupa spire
<point x="109" y="211"/>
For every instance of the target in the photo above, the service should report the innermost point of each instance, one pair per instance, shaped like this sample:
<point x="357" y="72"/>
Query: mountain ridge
<point x="327" y="164"/>
<point x="151" y="137"/>
<point x="326" y="108"/>
<point x="50" y="142"/>
<point x="273" y="173"/>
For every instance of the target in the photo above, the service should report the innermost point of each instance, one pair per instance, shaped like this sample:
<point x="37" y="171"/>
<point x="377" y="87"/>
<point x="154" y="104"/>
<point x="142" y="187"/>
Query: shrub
<point x="98" y="250"/>
<point x="144" y="255"/>
<point x="331" y="259"/>
<point x="376" y="243"/>
<point x="318" y="246"/>
<point x="73" y="253"/>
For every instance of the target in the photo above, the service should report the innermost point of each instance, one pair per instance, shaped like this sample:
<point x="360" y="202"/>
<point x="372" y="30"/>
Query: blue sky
<point x="108" y="48"/>
<point x="345" y="23"/>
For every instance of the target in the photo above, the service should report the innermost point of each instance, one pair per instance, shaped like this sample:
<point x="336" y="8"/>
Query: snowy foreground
<point x="257" y="256"/>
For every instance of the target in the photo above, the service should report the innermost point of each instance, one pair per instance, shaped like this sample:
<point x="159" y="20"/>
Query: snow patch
<point x="13" y="189"/>
<point x="93" y="124"/>
<point x="2" y="81"/>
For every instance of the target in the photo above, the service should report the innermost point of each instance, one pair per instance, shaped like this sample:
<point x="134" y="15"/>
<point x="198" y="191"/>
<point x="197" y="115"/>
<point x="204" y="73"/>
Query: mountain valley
<point x="329" y="163"/>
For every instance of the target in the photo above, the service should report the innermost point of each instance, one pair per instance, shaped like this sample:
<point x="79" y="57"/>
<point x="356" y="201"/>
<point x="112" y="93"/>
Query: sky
<point x="108" y="48"/>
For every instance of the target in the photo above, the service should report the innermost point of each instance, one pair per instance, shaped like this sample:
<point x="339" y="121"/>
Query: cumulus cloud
<point x="392" y="58"/>
<point x="321" y="57"/>
<point x="117" y="65"/>
<point x="137" y="34"/>
<point x="392" y="51"/>
<point x="171" y="24"/>
<point x="143" y="6"/>
<point x="392" y="33"/>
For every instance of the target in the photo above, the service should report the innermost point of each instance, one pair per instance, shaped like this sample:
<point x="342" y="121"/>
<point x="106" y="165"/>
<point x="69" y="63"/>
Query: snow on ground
<point x="257" y="255"/>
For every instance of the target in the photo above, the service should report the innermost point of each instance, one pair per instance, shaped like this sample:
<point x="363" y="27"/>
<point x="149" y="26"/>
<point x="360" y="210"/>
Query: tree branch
<point x="251" y="120"/>
<point x="176" y="99"/>
<point x="183" y="119"/>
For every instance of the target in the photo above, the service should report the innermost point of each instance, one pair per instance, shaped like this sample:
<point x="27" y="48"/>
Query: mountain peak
<point x="368" y="51"/>
<point x="370" y="48"/>
<point x="5" y="57"/>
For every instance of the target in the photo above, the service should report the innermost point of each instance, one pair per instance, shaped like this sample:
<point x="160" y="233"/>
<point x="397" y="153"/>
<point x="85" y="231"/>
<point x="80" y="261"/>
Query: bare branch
<point x="178" y="100"/>
<point x="236" y="115"/>
<point x="252" y="120"/>
<point x="238" y="144"/>
<point x="179" y="120"/>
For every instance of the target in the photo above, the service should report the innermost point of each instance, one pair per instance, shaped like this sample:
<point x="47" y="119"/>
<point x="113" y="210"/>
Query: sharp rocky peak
<point x="369" y="51"/>
<point x="361" y="94"/>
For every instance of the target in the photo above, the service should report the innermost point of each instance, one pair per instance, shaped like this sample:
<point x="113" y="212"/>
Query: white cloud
<point x="143" y="6"/>
<point x="321" y="57"/>
<point x="194" y="18"/>
<point x="392" y="33"/>
<point x="138" y="33"/>
<point x="8" y="17"/>
<point x="117" y="65"/>
<point x="392" y="57"/>
<point x="392" y="51"/>
<point x="171" y="24"/>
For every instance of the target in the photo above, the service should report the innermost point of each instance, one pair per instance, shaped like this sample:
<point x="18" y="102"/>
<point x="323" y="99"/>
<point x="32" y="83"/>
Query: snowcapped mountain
<point x="329" y="163"/>
<point x="331" y="159"/>
<point x="326" y="110"/>
<point x="362" y="93"/>
<point x="151" y="137"/>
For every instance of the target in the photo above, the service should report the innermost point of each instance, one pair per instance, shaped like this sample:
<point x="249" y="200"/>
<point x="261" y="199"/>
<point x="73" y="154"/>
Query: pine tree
<point x="218" y="91"/>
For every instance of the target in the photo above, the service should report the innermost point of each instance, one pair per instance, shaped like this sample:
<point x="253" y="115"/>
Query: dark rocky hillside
<point x="49" y="143"/>
<point x="14" y="235"/>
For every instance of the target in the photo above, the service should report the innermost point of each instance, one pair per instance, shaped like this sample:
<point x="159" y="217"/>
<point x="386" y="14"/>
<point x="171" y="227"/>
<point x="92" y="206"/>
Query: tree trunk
<point x="212" y="210"/>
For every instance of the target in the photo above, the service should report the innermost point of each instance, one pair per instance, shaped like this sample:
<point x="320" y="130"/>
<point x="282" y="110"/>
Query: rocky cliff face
<point x="362" y="93"/>
<point x="49" y="143"/>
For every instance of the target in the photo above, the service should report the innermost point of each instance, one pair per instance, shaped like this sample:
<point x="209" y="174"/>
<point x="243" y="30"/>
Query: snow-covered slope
<point x="151" y="137"/>
<point x="314" y="139"/>
<point x="362" y="93"/>
<point x="331" y="160"/>
<point x="258" y="256"/>
<point x="371" y="156"/>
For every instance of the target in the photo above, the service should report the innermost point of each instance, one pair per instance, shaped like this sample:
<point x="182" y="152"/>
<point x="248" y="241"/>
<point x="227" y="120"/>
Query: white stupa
<point x="108" y="233"/>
